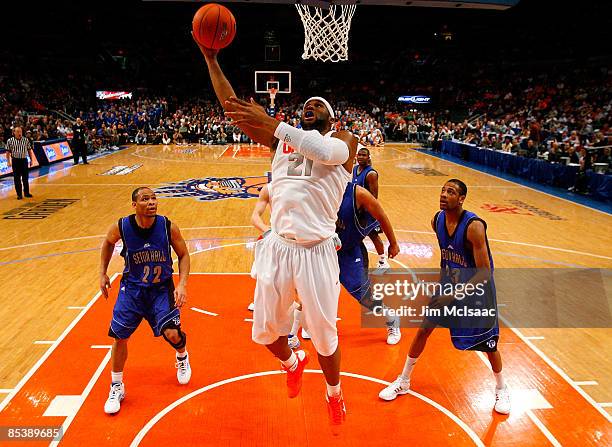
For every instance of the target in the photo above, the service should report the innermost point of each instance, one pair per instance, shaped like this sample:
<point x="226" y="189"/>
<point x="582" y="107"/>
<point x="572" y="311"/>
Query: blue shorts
<point x="353" y="263"/>
<point x="472" y="333"/>
<point x="475" y="339"/>
<point x="154" y="304"/>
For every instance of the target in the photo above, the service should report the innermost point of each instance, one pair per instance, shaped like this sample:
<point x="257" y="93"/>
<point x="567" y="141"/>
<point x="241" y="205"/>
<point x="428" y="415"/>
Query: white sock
<point x="117" y="377"/>
<point x="181" y="354"/>
<point x="499" y="379"/>
<point x="291" y="363"/>
<point x="382" y="257"/>
<point x="392" y="321"/>
<point x="297" y="315"/>
<point x="408" y="366"/>
<point x="333" y="390"/>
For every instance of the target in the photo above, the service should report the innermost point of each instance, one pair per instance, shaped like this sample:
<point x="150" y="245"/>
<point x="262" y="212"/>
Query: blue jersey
<point x="148" y="260"/>
<point x="360" y="178"/>
<point x="456" y="260"/>
<point x="353" y="226"/>
<point x="458" y="266"/>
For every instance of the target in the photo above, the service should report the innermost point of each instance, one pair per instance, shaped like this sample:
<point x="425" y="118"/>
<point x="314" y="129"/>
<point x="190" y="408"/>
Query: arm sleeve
<point x="311" y="144"/>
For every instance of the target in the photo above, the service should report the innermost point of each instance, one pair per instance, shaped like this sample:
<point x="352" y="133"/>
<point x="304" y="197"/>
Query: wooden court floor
<point x="49" y="273"/>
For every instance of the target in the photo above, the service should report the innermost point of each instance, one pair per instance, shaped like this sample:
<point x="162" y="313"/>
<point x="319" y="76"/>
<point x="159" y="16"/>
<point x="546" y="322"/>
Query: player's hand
<point x="249" y="113"/>
<point x="208" y="53"/>
<point x="393" y="250"/>
<point x="180" y="296"/>
<point x="105" y="285"/>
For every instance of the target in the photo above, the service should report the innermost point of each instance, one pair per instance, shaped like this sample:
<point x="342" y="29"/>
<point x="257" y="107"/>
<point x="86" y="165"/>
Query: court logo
<point x="520" y="207"/>
<point x="121" y="170"/>
<point x="40" y="210"/>
<point x="215" y="188"/>
<point x="506" y="209"/>
<point x="428" y="172"/>
<point x="420" y="170"/>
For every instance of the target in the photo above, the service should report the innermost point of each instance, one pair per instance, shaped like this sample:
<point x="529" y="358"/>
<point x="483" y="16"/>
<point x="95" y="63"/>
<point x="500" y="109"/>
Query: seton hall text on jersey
<point x="453" y="256"/>
<point x="148" y="256"/>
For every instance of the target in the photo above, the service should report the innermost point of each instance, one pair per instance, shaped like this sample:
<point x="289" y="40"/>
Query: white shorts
<point x="282" y="268"/>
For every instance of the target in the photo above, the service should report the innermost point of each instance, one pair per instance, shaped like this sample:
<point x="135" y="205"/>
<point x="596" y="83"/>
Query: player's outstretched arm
<point x="184" y="264"/>
<point x="260" y="208"/>
<point x="225" y="91"/>
<point x="476" y="236"/>
<point x="367" y="201"/>
<point x="106" y="253"/>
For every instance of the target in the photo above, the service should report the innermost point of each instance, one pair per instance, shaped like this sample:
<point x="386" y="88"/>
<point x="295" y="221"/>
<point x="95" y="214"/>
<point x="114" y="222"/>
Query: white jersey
<point x="305" y="195"/>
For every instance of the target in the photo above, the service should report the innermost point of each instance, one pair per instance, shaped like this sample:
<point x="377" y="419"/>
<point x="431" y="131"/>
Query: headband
<point x="324" y="101"/>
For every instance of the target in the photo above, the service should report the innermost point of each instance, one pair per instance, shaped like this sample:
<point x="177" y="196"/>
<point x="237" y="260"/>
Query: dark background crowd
<point x="535" y="80"/>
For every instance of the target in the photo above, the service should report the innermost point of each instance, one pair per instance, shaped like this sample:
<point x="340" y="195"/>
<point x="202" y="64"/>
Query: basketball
<point x="214" y="26"/>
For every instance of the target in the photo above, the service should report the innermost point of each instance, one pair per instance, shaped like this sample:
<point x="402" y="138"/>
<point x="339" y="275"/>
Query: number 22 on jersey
<point x="157" y="271"/>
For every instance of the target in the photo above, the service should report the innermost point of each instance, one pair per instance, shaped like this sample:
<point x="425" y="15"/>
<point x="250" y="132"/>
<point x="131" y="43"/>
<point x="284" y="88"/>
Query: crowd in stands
<point x="549" y="116"/>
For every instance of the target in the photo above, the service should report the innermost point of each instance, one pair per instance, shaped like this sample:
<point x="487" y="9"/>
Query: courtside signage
<point x="415" y="99"/>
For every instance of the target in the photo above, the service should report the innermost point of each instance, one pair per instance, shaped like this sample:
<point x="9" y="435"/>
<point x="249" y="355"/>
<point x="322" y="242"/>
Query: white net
<point x="326" y="32"/>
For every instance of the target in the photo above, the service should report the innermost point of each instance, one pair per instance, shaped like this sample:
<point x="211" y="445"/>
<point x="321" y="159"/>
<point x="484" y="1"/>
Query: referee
<point x="18" y="148"/>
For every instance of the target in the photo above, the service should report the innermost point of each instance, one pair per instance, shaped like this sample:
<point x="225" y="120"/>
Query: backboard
<point x="265" y="80"/>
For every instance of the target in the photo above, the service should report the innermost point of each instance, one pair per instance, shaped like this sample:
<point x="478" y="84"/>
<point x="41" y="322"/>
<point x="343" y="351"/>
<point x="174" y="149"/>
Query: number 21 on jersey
<point x="297" y="167"/>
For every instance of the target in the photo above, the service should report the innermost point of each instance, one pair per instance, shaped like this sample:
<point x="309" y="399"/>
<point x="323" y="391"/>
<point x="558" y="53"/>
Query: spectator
<point x="412" y="132"/>
<point x="141" y="137"/>
<point x="165" y="139"/>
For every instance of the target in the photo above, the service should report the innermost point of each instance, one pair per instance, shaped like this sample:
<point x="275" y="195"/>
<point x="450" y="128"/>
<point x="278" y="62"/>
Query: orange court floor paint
<point x="237" y="394"/>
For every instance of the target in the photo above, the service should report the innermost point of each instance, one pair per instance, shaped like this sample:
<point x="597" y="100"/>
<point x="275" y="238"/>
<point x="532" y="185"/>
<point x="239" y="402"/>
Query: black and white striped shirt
<point x="18" y="147"/>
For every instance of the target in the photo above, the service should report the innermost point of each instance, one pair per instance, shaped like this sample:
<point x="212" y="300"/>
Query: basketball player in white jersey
<point x="256" y="219"/>
<point x="310" y="169"/>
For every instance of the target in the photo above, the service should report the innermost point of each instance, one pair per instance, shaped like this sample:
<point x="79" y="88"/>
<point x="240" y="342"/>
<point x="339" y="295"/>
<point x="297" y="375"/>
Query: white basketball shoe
<point x="115" y="396"/>
<point x="397" y="387"/>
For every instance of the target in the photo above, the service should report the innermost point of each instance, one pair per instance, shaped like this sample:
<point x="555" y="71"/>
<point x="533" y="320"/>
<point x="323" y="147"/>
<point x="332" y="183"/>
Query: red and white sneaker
<point x="336" y="411"/>
<point x="294" y="378"/>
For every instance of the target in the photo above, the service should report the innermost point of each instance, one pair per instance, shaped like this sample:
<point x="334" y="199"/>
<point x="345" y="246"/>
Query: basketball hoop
<point x="326" y="33"/>
<point x="272" y="92"/>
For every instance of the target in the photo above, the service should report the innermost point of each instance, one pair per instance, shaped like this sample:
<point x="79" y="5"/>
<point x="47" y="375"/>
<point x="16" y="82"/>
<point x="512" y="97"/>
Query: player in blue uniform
<point x="465" y="259"/>
<point x="358" y="215"/>
<point x="146" y="289"/>
<point x="366" y="176"/>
